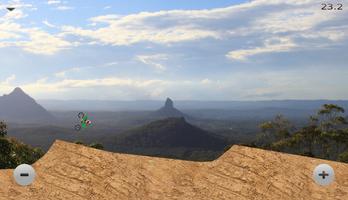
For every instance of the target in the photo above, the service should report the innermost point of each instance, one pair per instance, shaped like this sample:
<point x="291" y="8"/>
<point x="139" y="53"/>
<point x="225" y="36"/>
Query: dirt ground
<point x="70" y="171"/>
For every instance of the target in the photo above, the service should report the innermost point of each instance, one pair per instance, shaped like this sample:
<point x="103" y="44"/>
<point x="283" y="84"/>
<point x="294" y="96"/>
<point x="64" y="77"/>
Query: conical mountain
<point x="168" y="110"/>
<point x="21" y="108"/>
<point x="170" y="133"/>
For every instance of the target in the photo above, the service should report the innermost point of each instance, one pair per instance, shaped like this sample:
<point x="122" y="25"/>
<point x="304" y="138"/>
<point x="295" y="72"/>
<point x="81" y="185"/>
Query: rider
<point x="84" y="120"/>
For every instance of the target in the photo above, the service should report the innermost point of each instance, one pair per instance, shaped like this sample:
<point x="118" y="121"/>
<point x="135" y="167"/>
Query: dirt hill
<point x="70" y="171"/>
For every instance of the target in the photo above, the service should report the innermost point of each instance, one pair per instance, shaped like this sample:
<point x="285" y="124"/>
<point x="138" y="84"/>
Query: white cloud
<point x="63" y="74"/>
<point x="33" y="40"/>
<point x="30" y="39"/>
<point x="14" y="15"/>
<point x="43" y="43"/>
<point x="9" y="79"/>
<point x="270" y="45"/>
<point x="153" y="60"/>
<point x="48" y="24"/>
<point x="42" y="86"/>
<point x="111" y="64"/>
<point x="206" y="81"/>
<point x="295" y="23"/>
<point x="6" y="85"/>
<point x="246" y="85"/>
<point x="115" y="35"/>
<point x="64" y="8"/>
<point x="258" y="21"/>
<point x="17" y="4"/>
<point x="50" y="2"/>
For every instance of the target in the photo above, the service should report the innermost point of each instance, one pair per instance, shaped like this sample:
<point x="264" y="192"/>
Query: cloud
<point x="244" y="85"/>
<point x="83" y="88"/>
<point x="9" y="79"/>
<point x="63" y="74"/>
<point x="6" y="85"/>
<point x="126" y="36"/>
<point x="64" y="8"/>
<point x="252" y="24"/>
<point x="153" y="60"/>
<point x="111" y="64"/>
<point x="50" y="2"/>
<point x="14" y="15"/>
<point x="33" y="40"/>
<point x="42" y="42"/>
<point x="270" y="45"/>
<point x="259" y="22"/>
<point x="18" y="4"/>
<point x="48" y="24"/>
<point x="59" y="5"/>
<point x="296" y="25"/>
<point x="206" y="81"/>
<point x="159" y="27"/>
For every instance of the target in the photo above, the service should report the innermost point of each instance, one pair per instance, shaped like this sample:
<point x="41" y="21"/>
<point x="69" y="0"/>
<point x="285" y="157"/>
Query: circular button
<point x="24" y="175"/>
<point x="323" y="174"/>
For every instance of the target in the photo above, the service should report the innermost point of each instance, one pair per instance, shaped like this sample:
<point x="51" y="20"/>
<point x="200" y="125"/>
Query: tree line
<point x="324" y="136"/>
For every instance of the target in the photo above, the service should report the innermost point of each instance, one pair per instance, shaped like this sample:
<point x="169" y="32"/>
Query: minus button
<point x="24" y="174"/>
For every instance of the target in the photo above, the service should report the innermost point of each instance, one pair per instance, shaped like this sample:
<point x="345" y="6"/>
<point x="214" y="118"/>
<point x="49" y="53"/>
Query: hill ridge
<point x="19" y="107"/>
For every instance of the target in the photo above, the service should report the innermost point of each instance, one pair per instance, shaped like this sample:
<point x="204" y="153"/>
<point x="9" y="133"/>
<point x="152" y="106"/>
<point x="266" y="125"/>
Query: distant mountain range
<point x="148" y="105"/>
<point x="20" y="107"/>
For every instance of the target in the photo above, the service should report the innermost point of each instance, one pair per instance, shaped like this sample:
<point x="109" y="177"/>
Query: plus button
<point x="323" y="174"/>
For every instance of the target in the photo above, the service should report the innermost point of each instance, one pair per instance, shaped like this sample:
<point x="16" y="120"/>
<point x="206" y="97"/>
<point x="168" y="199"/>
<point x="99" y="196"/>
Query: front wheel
<point x="81" y="115"/>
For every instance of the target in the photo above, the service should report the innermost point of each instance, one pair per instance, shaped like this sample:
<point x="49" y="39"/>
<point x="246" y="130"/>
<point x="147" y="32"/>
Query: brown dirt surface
<point x="69" y="171"/>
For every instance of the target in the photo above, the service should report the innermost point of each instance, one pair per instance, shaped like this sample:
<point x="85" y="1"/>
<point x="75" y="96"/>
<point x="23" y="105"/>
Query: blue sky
<point x="211" y="50"/>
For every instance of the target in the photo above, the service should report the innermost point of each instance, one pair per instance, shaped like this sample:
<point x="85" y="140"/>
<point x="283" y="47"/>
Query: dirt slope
<point x="70" y="171"/>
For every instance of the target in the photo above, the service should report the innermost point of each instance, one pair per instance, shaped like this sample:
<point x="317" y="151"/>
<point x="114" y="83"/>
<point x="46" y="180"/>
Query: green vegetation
<point x="13" y="152"/>
<point x="325" y="136"/>
<point x="93" y="145"/>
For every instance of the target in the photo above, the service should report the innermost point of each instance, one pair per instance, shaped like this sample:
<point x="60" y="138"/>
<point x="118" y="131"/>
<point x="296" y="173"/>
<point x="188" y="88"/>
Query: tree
<point x="3" y="129"/>
<point x="326" y="135"/>
<point x="93" y="145"/>
<point x="330" y="117"/>
<point x="275" y="130"/>
<point x="97" y="146"/>
<point x="13" y="152"/>
<point x="343" y="157"/>
<point x="330" y="122"/>
<point x="6" y="157"/>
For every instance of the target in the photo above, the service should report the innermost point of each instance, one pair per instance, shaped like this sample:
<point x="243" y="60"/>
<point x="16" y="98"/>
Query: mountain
<point x="173" y="138"/>
<point x="21" y="108"/>
<point x="168" y="110"/>
<point x="172" y="132"/>
<point x="148" y="105"/>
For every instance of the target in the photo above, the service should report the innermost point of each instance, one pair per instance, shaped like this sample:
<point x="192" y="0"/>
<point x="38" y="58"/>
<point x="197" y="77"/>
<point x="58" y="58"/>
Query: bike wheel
<point x="77" y="127"/>
<point x="81" y="115"/>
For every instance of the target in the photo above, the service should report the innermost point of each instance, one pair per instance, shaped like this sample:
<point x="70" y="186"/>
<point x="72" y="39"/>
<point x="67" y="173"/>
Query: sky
<point x="184" y="49"/>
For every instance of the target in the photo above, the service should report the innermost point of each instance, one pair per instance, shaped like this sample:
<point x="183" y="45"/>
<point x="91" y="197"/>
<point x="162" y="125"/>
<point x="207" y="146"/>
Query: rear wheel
<point x="77" y="127"/>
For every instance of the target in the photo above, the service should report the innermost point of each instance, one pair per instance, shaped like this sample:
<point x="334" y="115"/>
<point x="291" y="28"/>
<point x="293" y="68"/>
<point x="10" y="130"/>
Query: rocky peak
<point x="17" y="91"/>
<point x="168" y="110"/>
<point x="169" y="103"/>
